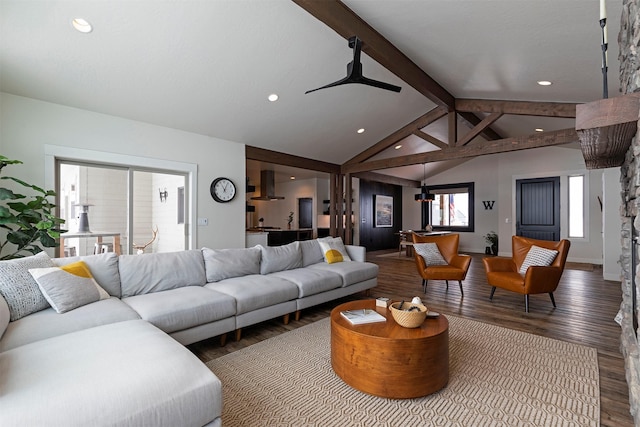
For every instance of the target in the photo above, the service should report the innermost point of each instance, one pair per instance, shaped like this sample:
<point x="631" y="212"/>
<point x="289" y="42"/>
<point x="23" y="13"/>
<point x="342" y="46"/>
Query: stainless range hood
<point x="267" y="186"/>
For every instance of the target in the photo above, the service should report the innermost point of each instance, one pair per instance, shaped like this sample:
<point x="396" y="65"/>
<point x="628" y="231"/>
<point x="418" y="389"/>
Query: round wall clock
<point x="222" y="190"/>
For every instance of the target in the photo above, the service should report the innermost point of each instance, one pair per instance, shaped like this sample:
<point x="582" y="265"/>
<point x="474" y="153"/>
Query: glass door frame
<point x="53" y="154"/>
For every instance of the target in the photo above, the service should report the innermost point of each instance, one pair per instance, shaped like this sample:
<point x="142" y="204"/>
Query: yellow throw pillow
<point x="68" y="287"/>
<point x="333" y="250"/>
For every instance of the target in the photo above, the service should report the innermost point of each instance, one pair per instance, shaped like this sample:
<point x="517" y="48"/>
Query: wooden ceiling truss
<point x="477" y="114"/>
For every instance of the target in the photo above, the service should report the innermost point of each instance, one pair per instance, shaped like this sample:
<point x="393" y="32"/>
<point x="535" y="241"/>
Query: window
<point x="452" y="208"/>
<point x="576" y="206"/>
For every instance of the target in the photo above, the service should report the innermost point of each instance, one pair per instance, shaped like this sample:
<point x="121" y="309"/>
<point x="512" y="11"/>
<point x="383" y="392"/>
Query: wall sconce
<point x="163" y="195"/>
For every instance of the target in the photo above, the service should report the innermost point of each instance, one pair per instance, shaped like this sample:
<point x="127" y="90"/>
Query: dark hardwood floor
<point x="586" y="307"/>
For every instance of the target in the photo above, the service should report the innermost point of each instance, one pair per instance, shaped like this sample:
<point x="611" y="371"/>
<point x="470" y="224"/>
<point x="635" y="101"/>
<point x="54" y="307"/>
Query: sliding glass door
<point x="140" y="206"/>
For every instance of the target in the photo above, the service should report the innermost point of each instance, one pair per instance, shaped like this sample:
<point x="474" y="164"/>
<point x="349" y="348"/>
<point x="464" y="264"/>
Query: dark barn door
<point x="538" y="208"/>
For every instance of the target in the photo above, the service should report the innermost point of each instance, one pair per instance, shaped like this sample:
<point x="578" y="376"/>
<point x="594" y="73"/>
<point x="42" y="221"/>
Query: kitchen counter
<point x="276" y="236"/>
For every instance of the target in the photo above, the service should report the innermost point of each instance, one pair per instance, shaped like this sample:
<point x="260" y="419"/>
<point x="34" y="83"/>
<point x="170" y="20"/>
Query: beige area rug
<point x="498" y="377"/>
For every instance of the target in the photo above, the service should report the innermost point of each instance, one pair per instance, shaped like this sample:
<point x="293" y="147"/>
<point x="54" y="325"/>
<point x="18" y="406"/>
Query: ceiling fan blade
<point x="354" y="72"/>
<point x="379" y="84"/>
<point x="338" y="83"/>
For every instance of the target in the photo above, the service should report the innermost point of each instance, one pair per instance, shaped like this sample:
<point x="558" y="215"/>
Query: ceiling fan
<point x="354" y="71"/>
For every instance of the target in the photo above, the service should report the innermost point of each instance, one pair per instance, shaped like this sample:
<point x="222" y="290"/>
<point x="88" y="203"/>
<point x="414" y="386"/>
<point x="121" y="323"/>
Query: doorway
<point x="538" y="208"/>
<point x="305" y="212"/>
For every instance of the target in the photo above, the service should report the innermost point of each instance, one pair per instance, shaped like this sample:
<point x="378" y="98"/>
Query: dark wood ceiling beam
<point x="275" y="157"/>
<point x="430" y="139"/>
<point x="452" y="126"/>
<point x="387" y="179"/>
<point x="337" y="16"/>
<point x="538" y="140"/>
<point x="523" y="108"/>
<point x="473" y="120"/>
<point x="479" y="128"/>
<point x="400" y="134"/>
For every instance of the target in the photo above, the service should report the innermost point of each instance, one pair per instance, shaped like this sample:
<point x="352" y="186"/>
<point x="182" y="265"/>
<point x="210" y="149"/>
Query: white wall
<point x="27" y="125"/>
<point x="611" y="224"/>
<point x="495" y="176"/>
<point x="275" y="212"/>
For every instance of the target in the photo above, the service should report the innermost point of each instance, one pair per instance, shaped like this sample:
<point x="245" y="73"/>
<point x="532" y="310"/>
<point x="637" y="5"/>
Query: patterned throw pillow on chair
<point x="539" y="257"/>
<point x="430" y="253"/>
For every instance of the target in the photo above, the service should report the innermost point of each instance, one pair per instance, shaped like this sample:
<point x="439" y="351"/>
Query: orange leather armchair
<point x="502" y="272"/>
<point x="457" y="265"/>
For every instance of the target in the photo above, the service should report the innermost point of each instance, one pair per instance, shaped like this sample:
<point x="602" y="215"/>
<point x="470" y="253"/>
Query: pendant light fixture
<point x="424" y="195"/>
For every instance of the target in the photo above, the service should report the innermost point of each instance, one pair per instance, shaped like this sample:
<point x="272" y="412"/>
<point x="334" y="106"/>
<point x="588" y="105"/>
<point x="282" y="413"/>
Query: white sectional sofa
<point x="121" y="360"/>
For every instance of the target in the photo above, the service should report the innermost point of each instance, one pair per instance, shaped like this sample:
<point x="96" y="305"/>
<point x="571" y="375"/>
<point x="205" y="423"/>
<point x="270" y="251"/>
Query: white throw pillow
<point x="19" y="289"/>
<point x="68" y="287"/>
<point x="333" y="250"/>
<point x="539" y="257"/>
<point x="430" y="253"/>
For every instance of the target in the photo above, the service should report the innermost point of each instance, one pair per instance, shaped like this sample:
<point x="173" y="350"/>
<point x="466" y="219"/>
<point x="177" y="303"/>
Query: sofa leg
<point x="526" y="303"/>
<point x="238" y="334"/>
<point x="297" y="316"/>
<point x="424" y="285"/>
<point x="285" y="319"/>
<point x="367" y="293"/>
<point x="460" y="283"/>
<point x="447" y="282"/>
<point x="493" y="291"/>
<point x="223" y="340"/>
<point x="553" y="300"/>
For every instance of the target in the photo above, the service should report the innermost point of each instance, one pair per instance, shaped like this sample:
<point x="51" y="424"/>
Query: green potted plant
<point x="289" y="220"/>
<point x="27" y="224"/>
<point x="492" y="240"/>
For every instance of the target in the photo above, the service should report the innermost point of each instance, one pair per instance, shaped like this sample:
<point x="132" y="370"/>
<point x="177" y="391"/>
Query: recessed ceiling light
<point x="539" y="130"/>
<point x="292" y="177"/>
<point x="361" y="130"/>
<point x="81" y="25"/>
<point x="397" y="147"/>
<point x="544" y="82"/>
<point x="273" y="97"/>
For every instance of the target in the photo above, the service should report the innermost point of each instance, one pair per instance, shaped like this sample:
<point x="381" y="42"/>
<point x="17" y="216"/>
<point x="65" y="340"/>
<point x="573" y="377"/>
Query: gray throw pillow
<point x="430" y="253"/>
<point x="539" y="257"/>
<point x="223" y="264"/>
<point x="280" y="258"/>
<point x="68" y="287"/>
<point x="18" y="288"/>
<point x="103" y="267"/>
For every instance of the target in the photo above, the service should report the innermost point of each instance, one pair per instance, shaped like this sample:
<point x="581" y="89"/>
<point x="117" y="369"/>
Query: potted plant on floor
<point x="492" y="240"/>
<point x="26" y="224"/>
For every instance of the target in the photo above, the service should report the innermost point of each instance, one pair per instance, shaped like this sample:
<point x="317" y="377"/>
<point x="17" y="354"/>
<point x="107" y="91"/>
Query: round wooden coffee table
<point x="387" y="360"/>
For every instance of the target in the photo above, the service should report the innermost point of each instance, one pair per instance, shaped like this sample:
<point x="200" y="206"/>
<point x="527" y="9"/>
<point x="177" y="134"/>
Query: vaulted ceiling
<point x="208" y="67"/>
